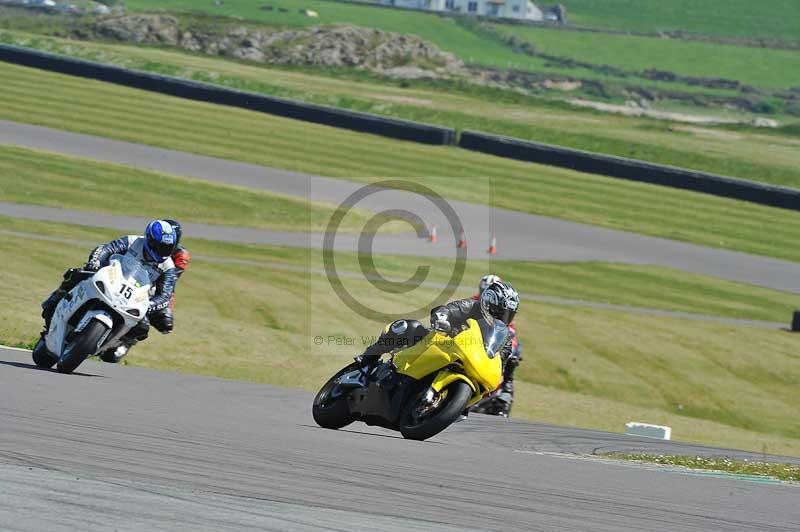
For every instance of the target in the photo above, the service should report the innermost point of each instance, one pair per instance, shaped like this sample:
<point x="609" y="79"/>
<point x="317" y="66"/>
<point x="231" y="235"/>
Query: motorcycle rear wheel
<point x="458" y="394"/>
<point x="332" y="412"/>
<point x="82" y="346"/>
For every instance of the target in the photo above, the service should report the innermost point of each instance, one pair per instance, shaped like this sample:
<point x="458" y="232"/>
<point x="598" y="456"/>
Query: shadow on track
<point x="391" y="436"/>
<point x="34" y="366"/>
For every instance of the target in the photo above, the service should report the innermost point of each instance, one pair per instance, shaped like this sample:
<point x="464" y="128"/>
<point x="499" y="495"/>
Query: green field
<point x="733" y="18"/>
<point x="760" y="67"/>
<point x="480" y="46"/>
<point x="465" y="38"/>
<point x="750" y="154"/>
<point x="96" y="108"/>
<point x="587" y="367"/>
<point x="468" y="42"/>
<point x="40" y="178"/>
<point x="444" y="32"/>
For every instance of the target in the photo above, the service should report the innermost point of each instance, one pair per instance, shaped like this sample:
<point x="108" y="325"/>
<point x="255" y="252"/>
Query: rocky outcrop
<point x="138" y="29"/>
<point x="394" y="54"/>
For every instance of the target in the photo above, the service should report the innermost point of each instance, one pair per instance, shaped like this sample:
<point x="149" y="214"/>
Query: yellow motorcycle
<point x="421" y="389"/>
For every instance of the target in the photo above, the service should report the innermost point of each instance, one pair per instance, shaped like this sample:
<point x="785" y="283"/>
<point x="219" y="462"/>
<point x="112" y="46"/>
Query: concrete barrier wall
<point x="319" y="114"/>
<point x="631" y="169"/>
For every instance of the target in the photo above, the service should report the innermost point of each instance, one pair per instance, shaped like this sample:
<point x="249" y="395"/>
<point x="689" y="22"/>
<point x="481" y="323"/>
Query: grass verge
<point x="96" y="108"/>
<point x="713" y="383"/>
<point x="40" y="178"/>
<point x="649" y="287"/>
<point x="789" y="472"/>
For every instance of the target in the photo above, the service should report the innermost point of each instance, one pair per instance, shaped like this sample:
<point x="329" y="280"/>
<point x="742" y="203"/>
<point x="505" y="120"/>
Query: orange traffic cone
<point x="462" y="240"/>
<point x="432" y="238"/>
<point x="493" y="246"/>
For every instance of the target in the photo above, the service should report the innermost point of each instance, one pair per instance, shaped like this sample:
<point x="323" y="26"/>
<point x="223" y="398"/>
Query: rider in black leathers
<point x="162" y="318"/>
<point x="500" y="402"/>
<point x="450" y="319"/>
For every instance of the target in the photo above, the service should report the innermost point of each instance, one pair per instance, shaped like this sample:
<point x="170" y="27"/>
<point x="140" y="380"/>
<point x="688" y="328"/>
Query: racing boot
<point x="365" y="359"/>
<point x="116" y="354"/>
<point x="505" y="399"/>
<point x="138" y="333"/>
<point x="49" y="306"/>
<point x="372" y="354"/>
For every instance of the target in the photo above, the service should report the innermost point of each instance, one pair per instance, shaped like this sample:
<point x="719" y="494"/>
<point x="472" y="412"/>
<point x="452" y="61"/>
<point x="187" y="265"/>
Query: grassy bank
<point x="737" y="18"/>
<point x="760" y="67"/>
<point x="91" y="107"/>
<point x="444" y="32"/>
<point x="468" y="40"/>
<point x="40" y="178"/>
<point x="714" y="384"/>
<point x="649" y="287"/>
<point x="749" y="154"/>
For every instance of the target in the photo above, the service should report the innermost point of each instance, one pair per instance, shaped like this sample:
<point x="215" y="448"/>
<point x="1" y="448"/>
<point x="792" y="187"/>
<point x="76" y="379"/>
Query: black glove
<point x="92" y="265"/>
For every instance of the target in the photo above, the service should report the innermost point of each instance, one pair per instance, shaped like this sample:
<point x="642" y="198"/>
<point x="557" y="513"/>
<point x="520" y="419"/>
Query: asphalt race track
<point x="125" y="448"/>
<point x="521" y="236"/>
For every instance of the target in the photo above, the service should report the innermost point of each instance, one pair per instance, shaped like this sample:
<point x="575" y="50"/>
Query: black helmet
<point x="499" y="301"/>
<point x="176" y="226"/>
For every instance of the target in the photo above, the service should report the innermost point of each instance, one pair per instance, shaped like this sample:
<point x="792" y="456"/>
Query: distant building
<point x="430" y="5"/>
<point x="519" y="9"/>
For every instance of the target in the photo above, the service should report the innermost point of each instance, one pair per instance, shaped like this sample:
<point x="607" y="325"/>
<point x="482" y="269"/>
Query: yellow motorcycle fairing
<point x="437" y="351"/>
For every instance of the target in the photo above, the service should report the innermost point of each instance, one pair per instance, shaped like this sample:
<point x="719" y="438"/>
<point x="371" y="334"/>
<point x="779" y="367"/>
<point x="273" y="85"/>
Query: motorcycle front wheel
<point x="418" y="424"/>
<point x="330" y="410"/>
<point x="81" y="346"/>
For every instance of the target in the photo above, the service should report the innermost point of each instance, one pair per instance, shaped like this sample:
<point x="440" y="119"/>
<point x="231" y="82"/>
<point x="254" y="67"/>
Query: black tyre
<point x="416" y="425"/>
<point x="42" y="357"/>
<point x="81" y="346"/>
<point x="330" y="410"/>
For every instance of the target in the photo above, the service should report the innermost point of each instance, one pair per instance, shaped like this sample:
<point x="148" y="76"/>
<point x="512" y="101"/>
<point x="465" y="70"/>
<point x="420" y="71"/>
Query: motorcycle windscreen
<point x="133" y="270"/>
<point x="432" y="353"/>
<point x="482" y="365"/>
<point x="495" y="338"/>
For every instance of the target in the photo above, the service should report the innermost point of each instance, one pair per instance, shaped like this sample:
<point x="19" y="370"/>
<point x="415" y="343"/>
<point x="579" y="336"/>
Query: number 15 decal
<point x="126" y="291"/>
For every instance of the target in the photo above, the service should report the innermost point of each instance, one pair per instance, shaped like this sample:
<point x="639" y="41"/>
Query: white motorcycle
<point x="96" y="313"/>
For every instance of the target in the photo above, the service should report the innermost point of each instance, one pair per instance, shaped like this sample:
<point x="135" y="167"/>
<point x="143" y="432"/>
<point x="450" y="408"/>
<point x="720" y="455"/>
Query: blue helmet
<point x="159" y="240"/>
